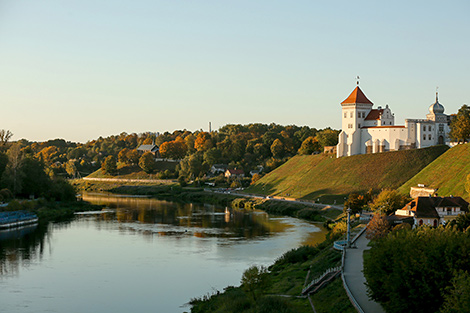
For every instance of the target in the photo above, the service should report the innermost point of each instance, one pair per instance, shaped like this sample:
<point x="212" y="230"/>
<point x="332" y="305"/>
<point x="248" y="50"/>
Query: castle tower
<point x="355" y="108"/>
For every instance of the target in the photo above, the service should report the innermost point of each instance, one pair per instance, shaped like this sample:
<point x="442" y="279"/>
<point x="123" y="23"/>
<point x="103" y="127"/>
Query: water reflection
<point x="20" y="246"/>
<point x="176" y="219"/>
<point x="160" y="253"/>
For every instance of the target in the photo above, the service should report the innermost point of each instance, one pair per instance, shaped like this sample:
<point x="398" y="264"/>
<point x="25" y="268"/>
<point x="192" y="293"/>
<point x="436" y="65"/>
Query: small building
<point x="149" y="148"/>
<point x="217" y="169"/>
<point x="329" y="149"/>
<point x="234" y="173"/>
<point x="431" y="211"/>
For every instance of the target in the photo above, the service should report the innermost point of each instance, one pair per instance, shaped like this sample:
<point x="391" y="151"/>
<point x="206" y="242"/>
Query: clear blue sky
<point x="82" y="69"/>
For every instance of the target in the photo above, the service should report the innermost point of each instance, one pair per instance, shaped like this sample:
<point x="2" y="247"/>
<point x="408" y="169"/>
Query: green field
<point x="329" y="178"/>
<point x="448" y="173"/>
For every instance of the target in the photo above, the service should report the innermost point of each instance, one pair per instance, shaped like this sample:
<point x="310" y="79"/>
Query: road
<point x="353" y="266"/>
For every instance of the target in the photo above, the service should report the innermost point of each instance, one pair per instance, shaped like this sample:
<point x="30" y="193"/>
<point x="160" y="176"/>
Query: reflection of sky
<point x="95" y="265"/>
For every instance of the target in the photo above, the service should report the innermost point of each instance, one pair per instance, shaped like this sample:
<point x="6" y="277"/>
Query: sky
<point x="79" y="70"/>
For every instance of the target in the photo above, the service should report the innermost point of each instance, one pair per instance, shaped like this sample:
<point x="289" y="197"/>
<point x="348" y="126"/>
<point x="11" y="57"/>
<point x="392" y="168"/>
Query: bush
<point x="298" y="255"/>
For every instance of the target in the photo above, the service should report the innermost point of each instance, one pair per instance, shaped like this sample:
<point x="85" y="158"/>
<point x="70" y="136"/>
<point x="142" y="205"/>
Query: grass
<point x="448" y="173"/>
<point x="134" y="171"/>
<point x="328" y="178"/>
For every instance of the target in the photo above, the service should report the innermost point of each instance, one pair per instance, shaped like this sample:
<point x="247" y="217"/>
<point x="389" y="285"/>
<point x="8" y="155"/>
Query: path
<point x="248" y="195"/>
<point x="354" y="278"/>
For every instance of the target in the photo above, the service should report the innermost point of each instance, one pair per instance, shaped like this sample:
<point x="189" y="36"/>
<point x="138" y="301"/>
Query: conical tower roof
<point x="357" y="96"/>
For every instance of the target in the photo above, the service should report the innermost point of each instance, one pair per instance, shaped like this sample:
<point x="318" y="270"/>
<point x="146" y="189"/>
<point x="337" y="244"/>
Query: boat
<point x="16" y="219"/>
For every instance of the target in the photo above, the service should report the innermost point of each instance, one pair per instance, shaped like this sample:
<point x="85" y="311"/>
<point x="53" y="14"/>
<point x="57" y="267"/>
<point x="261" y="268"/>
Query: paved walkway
<point x="353" y="265"/>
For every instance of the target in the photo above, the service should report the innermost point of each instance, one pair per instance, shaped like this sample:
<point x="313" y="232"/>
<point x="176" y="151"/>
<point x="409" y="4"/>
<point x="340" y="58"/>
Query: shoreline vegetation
<point x="276" y="288"/>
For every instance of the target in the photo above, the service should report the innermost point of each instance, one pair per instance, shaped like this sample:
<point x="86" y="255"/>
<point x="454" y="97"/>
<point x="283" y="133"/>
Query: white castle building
<point x="368" y="130"/>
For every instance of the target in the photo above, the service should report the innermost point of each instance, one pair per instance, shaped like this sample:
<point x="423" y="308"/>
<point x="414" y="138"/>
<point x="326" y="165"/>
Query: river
<point x="139" y="255"/>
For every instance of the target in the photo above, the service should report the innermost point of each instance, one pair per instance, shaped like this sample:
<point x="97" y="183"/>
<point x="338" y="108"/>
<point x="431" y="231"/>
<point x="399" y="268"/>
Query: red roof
<point x="236" y="172"/>
<point x="357" y="96"/>
<point x="374" y="114"/>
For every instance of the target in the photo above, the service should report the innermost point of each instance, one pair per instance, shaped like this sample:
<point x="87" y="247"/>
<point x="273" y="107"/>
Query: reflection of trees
<point x="19" y="247"/>
<point x="209" y="220"/>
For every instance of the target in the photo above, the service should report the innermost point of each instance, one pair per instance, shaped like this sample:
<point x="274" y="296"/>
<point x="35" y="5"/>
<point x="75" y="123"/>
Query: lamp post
<point x="348" y="234"/>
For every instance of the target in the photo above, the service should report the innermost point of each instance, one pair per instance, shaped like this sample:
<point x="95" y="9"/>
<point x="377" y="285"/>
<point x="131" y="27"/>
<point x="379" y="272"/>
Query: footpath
<point x="354" y="278"/>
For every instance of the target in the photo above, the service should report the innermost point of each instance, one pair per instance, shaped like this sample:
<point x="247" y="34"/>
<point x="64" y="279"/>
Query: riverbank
<point x="51" y="211"/>
<point x="288" y="274"/>
<point x="174" y="192"/>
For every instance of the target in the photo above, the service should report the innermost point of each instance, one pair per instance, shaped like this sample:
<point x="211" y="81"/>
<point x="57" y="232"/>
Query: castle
<point x="368" y="130"/>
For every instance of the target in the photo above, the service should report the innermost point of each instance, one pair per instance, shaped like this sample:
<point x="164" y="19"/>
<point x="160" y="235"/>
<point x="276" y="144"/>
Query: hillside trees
<point x="147" y="162"/>
<point x="460" y="125"/>
<point x="309" y="146"/>
<point x="414" y="270"/>
<point x="388" y="201"/>
<point x="109" y="165"/>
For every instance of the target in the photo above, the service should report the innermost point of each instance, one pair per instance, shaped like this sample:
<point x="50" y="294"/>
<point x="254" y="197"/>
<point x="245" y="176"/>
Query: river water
<point x="139" y="255"/>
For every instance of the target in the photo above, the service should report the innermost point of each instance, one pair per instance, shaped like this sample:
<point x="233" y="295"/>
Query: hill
<point x="323" y="175"/>
<point x="134" y="171"/>
<point x="448" y="173"/>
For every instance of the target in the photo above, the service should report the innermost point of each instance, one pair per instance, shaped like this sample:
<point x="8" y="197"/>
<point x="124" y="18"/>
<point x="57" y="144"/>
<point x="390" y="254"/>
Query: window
<point x="424" y="128"/>
<point x="441" y="127"/>
<point x="345" y="114"/>
<point x="424" y="137"/>
<point x="429" y="128"/>
<point x="363" y="114"/>
<point x="359" y="126"/>
<point x="429" y="137"/>
<point x="351" y="114"/>
<point x="359" y="114"/>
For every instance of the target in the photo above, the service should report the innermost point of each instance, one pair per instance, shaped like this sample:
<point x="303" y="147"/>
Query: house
<point x="234" y="173"/>
<point x="149" y="148"/>
<point x="258" y="170"/>
<point x="369" y="130"/>
<point x="432" y="211"/>
<point x="217" y="169"/>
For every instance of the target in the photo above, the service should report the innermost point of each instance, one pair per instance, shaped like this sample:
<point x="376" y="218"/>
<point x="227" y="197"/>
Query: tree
<point x="147" y="162"/>
<point x="133" y="157"/>
<point x="457" y="298"/>
<point x="255" y="178"/>
<point x="378" y="227"/>
<point x="411" y="271"/>
<point x="212" y="156"/>
<point x="327" y="137"/>
<point x="5" y="136"/>
<point x="122" y="156"/>
<point x="309" y="146"/>
<point x="357" y="202"/>
<point x="71" y="168"/>
<point x="254" y="279"/>
<point x="277" y="149"/>
<point x="388" y="201"/>
<point x="109" y="165"/>
<point x="203" y="141"/>
<point x="460" y="125"/>
<point x="192" y="166"/>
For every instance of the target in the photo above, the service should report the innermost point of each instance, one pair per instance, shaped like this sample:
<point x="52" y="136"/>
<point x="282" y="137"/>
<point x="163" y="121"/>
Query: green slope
<point x="313" y="176"/>
<point x="448" y="173"/>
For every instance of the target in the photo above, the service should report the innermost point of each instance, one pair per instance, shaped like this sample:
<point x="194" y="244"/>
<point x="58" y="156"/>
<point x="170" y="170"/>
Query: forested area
<point x="238" y="146"/>
<point x="421" y="270"/>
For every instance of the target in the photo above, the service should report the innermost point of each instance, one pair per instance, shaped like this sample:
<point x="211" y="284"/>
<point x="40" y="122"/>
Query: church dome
<point x="436" y="107"/>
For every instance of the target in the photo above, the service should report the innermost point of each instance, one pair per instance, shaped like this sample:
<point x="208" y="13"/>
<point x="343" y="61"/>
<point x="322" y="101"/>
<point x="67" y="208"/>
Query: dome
<point x="436" y="107"/>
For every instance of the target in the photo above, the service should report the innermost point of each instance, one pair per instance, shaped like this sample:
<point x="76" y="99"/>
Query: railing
<point x="319" y="279"/>
<point x="340" y="245"/>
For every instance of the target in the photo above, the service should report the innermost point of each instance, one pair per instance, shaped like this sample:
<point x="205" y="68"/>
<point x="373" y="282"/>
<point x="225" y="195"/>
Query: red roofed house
<point x="234" y="173"/>
<point x="368" y="130"/>
<point x="432" y="211"/>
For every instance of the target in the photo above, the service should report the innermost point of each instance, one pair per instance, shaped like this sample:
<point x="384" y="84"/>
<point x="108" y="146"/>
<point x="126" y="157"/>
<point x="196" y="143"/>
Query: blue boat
<point x="16" y="219"/>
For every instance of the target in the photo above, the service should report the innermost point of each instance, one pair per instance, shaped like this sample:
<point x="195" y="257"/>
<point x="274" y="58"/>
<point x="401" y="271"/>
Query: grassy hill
<point x="134" y="171"/>
<point x="323" y="175"/>
<point x="448" y="173"/>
